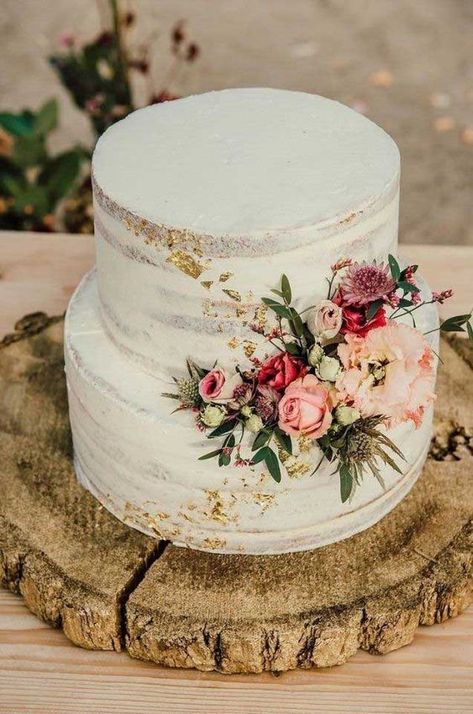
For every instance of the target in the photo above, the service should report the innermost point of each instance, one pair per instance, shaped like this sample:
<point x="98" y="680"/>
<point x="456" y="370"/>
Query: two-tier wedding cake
<point x="311" y="404"/>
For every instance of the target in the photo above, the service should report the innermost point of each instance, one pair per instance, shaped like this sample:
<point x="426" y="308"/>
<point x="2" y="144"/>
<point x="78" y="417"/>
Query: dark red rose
<point x="354" y="317"/>
<point x="280" y="370"/>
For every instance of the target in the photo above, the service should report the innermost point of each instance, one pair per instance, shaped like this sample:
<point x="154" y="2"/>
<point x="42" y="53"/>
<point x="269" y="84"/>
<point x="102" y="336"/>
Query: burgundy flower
<point x="366" y="282"/>
<point x="266" y="403"/>
<point x="280" y="370"/>
<point x="354" y="319"/>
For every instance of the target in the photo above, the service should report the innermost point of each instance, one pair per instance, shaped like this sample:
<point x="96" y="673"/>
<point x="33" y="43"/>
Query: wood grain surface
<point x="40" y="671"/>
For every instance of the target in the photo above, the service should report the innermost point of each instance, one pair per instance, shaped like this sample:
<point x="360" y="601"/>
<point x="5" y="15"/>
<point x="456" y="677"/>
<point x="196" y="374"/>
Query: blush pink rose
<point x="218" y="387"/>
<point x="325" y="320"/>
<point x="389" y="371"/>
<point x="305" y="408"/>
<point x="280" y="370"/>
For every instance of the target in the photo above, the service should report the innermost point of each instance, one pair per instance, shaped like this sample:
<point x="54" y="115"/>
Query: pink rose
<point x="218" y="387"/>
<point x="280" y="370"/>
<point x="305" y="408"/>
<point x="325" y="320"/>
<point x="389" y="372"/>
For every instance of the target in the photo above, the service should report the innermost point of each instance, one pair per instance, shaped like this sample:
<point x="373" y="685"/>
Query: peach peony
<point x="388" y="372"/>
<point x="305" y="408"/>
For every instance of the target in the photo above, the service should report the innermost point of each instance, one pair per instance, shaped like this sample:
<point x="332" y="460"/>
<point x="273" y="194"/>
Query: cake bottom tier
<point x="141" y="461"/>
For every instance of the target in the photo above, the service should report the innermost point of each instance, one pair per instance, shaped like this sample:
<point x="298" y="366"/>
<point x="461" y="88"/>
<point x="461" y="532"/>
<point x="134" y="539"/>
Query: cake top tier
<point x="245" y="161"/>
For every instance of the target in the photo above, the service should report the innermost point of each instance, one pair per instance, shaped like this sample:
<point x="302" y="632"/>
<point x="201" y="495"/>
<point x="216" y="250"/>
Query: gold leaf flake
<point x="260" y="316"/>
<point x="225" y="276"/>
<point x="214" y="543"/>
<point x="162" y="516"/>
<point x="208" y="308"/>
<point x="249" y="347"/>
<point x="240" y="311"/>
<point x="305" y="444"/>
<point x="207" y="284"/>
<point x="265" y="500"/>
<point x="233" y="343"/>
<point x="186" y="263"/>
<point x="233" y="294"/>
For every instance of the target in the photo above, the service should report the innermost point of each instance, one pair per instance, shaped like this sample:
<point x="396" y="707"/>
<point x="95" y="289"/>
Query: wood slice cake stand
<point x="110" y="587"/>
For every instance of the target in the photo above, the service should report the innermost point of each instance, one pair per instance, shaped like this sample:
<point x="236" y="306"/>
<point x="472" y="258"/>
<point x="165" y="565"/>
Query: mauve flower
<point x="389" y="372"/>
<point x="218" y="387"/>
<point x="305" y="408"/>
<point x="364" y="283"/>
<point x="266" y="403"/>
<point x="280" y="370"/>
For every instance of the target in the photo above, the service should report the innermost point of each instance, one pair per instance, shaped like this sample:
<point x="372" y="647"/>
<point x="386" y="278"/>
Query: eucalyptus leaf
<point x="224" y="428"/>
<point x="224" y="458"/>
<point x="408" y="287"/>
<point x="284" y="439"/>
<point x="210" y="455"/>
<point x="346" y="482"/>
<point x="17" y="124"/>
<point x="292" y="348"/>
<point x="261" y="439"/>
<point x="373" y="309"/>
<point x="60" y="173"/>
<point x="469" y="329"/>
<point x="286" y="289"/>
<point x="394" y="267"/>
<point x="272" y="462"/>
<point x="46" y="119"/>
<point x="260" y="455"/>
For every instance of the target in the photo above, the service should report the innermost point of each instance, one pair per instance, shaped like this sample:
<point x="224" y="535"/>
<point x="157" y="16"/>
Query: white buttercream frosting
<point x="200" y="205"/>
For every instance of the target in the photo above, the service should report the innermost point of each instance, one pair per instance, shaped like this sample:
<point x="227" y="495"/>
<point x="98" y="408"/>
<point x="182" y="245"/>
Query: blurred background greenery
<point x="70" y="69"/>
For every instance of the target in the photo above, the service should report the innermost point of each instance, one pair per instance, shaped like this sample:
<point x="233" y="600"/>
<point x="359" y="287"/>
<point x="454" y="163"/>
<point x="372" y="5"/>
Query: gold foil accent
<point x="305" y="444"/>
<point x="233" y="294"/>
<point x="233" y="343"/>
<point x="186" y="263"/>
<point x="217" y="512"/>
<point x="225" y="276"/>
<point x="162" y="516"/>
<point x="214" y="543"/>
<point x="295" y="468"/>
<point x="249" y="347"/>
<point x="207" y="284"/>
<point x="240" y="312"/>
<point x="260" y="316"/>
<point x="265" y="500"/>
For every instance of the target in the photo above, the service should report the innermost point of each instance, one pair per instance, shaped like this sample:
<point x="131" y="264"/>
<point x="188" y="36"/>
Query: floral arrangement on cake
<point x="344" y="371"/>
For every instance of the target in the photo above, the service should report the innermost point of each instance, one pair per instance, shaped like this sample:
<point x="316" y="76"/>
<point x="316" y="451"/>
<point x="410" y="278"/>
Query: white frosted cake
<point x="201" y="205"/>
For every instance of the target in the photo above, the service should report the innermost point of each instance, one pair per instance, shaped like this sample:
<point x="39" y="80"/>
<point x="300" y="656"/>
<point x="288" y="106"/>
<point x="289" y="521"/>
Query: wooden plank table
<point x="41" y="671"/>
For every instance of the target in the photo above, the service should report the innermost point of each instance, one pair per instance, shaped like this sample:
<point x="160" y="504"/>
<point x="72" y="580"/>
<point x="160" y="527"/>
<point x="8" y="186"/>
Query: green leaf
<point x="286" y="289"/>
<point x="60" y="173"/>
<point x="292" y="348"/>
<point x="260" y="455"/>
<point x="469" y="329"/>
<point x="229" y="441"/>
<point x="272" y="462"/>
<point x="224" y="458"/>
<point x="284" y="439"/>
<point x="405" y="303"/>
<point x="346" y="482"/>
<point x="454" y="324"/>
<point x="261" y="439"/>
<point x="46" y="119"/>
<point x="408" y="287"/>
<point x="210" y="455"/>
<point x="29" y="151"/>
<point x="394" y="267"/>
<point x="297" y="323"/>
<point x="373" y="309"/>
<point x="224" y="428"/>
<point x="277" y="307"/>
<point x="17" y="124"/>
<point x="277" y="292"/>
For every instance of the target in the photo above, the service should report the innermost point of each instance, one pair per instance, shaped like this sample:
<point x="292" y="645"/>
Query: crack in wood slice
<point x="110" y="587"/>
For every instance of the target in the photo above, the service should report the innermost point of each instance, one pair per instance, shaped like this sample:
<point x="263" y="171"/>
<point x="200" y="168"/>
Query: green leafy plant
<point x="32" y="182"/>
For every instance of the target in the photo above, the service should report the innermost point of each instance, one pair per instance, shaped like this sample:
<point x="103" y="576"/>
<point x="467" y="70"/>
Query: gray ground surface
<point x="406" y="63"/>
